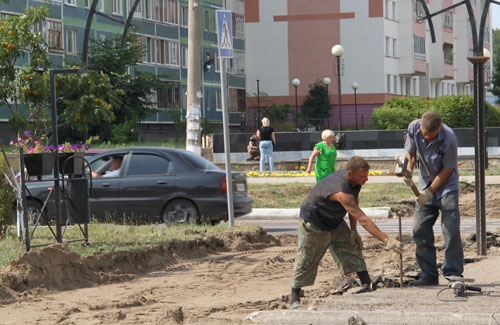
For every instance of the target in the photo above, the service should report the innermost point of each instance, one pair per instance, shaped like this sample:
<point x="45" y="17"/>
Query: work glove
<point x="356" y="239"/>
<point x="393" y="244"/>
<point x="424" y="197"/>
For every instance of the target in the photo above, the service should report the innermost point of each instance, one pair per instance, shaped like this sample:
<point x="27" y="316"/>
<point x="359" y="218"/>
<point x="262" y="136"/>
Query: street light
<point x="338" y="51"/>
<point x="296" y="84"/>
<point x="258" y="104"/>
<point x="355" y="87"/>
<point x="326" y="82"/>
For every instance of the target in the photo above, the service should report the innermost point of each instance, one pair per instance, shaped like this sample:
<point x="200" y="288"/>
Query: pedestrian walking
<point x="325" y="154"/>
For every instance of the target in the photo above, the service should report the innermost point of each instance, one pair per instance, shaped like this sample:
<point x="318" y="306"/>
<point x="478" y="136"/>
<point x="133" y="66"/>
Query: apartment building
<point x="162" y="28"/>
<point x="387" y="51"/>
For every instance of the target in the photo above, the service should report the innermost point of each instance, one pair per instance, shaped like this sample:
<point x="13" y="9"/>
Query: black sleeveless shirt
<point x="322" y="212"/>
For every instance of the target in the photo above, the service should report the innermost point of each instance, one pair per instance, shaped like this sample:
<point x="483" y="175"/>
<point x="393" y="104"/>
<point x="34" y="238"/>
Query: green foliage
<point x="136" y="87"/>
<point x="316" y="105"/>
<point x="23" y="84"/>
<point x="7" y="198"/>
<point x="396" y="113"/>
<point x="496" y="64"/>
<point x="456" y="111"/>
<point x="276" y="114"/>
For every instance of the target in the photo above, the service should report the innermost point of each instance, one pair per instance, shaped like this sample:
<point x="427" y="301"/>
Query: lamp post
<point x="296" y="84"/>
<point x="355" y="87"/>
<point x="338" y="51"/>
<point x="326" y="82"/>
<point x="258" y="103"/>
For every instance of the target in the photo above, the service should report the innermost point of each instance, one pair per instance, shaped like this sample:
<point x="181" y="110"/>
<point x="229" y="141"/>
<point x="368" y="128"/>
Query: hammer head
<point x="400" y="166"/>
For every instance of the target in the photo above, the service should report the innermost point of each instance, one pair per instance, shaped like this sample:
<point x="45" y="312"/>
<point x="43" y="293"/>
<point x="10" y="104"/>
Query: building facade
<point x="162" y="29"/>
<point x="387" y="51"/>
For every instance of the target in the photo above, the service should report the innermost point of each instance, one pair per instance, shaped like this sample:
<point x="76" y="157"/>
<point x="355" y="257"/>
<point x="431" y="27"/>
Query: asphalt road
<point x="290" y="225"/>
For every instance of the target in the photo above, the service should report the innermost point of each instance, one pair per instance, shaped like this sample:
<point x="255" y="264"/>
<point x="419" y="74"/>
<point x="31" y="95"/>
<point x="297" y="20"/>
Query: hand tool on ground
<point x="401" y="171"/>
<point x="457" y="284"/>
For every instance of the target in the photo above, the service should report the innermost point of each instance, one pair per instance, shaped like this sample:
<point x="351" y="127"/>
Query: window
<point x="166" y="11"/>
<point x="419" y="47"/>
<point x="167" y="52"/>
<point x="144" y="9"/>
<point x="390" y="46"/>
<point x="238" y="62"/>
<point x="218" y="100"/>
<point x="207" y="21"/>
<point x="99" y="7"/>
<point x="184" y="57"/>
<point x="71" y="41"/>
<point x="184" y="16"/>
<point x="117" y="7"/>
<point x="70" y="2"/>
<point x="448" y="20"/>
<point x="169" y="97"/>
<point x="238" y="25"/>
<point x="419" y="9"/>
<point x="390" y="9"/>
<point x="448" y="54"/>
<point x="142" y="164"/>
<point x="171" y="14"/>
<point x="54" y="35"/>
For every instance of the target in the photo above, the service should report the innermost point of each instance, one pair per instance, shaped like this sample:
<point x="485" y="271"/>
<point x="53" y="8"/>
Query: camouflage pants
<point x="313" y="244"/>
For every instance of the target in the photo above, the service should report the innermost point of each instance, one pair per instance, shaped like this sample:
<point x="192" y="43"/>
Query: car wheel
<point x="180" y="211"/>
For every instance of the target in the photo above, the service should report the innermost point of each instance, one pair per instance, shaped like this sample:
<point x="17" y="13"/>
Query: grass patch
<point x="106" y="238"/>
<point x="293" y="194"/>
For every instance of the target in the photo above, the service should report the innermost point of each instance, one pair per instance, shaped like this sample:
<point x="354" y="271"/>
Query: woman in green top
<point x="327" y="156"/>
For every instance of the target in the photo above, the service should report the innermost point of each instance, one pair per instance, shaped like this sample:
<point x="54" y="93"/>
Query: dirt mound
<point x="55" y="268"/>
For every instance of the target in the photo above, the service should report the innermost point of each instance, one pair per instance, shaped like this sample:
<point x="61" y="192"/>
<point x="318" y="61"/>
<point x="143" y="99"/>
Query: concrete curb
<point x="291" y="317"/>
<point x="279" y="214"/>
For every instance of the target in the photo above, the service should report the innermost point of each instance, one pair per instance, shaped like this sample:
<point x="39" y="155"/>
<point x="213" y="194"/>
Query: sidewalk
<point x="493" y="179"/>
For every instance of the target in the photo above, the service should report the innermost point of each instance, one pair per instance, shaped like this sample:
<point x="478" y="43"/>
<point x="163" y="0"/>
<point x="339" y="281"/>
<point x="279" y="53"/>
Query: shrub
<point x="457" y="111"/>
<point x="7" y="197"/>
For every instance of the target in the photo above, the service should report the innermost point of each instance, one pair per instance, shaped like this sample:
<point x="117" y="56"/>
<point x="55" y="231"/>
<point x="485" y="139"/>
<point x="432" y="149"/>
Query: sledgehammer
<point x="401" y="171"/>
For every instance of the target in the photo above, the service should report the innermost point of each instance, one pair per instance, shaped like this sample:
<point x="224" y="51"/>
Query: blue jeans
<point x="425" y="218"/>
<point x="266" y="149"/>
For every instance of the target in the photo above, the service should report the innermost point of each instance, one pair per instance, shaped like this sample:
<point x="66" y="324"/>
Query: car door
<point x="104" y="193"/>
<point x="146" y="186"/>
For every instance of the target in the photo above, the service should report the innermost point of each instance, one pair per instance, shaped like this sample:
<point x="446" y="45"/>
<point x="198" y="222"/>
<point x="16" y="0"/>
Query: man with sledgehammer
<point x="436" y="145"/>
<point x="322" y="226"/>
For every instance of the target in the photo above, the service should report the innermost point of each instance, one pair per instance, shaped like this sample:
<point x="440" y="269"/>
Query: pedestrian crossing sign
<point x="225" y="33"/>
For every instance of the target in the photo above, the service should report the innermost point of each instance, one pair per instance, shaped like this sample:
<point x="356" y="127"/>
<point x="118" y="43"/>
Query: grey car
<point x="153" y="184"/>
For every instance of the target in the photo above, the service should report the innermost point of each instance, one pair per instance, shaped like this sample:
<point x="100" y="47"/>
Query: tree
<point x="316" y="105"/>
<point x="24" y="90"/>
<point x="278" y="115"/>
<point x="123" y="99"/>
<point x="495" y="89"/>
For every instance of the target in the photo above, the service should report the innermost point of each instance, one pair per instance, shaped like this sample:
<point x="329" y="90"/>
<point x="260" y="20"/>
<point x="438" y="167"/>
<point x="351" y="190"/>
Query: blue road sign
<point x="225" y="33"/>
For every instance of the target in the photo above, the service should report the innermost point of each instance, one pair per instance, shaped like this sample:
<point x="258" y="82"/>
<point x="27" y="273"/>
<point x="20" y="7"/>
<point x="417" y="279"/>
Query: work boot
<point x="295" y="298"/>
<point x="422" y="282"/>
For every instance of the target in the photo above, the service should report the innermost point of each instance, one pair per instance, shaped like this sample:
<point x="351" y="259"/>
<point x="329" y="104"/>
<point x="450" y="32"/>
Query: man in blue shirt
<point x="437" y="145"/>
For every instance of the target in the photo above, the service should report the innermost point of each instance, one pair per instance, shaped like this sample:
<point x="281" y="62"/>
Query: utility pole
<point x="193" y="116"/>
